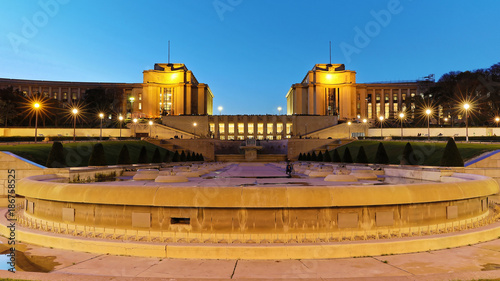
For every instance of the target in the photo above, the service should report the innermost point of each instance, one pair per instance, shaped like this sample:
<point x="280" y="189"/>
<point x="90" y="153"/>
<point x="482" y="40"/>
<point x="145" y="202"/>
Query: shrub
<point x="362" y="158"/>
<point x="314" y="157"/>
<point x="156" y="156"/>
<point x="56" y="156"/>
<point x="381" y="156"/>
<point x="193" y="156"/>
<point x="176" y="157"/>
<point x="347" y="156"/>
<point x="124" y="156"/>
<point x="336" y="156"/>
<point x="201" y="157"/>
<point x="407" y="155"/>
<point x="320" y="156"/>
<point x="182" y="158"/>
<point x="451" y="155"/>
<point x="326" y="156"/>
<point x="168" y="157"/>
<point x="143" y="156"/>
<point x="308" y="156"/>
<point x="97" y="158"/>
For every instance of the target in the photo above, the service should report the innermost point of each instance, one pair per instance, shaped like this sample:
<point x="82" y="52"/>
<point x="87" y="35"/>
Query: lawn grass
<point x="78" y="153"/>
<point x="429" y="154"/>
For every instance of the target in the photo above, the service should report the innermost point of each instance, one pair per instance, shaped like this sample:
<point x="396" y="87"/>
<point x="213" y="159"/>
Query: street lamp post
<point x="135" y="126"/>
<point x="121" y="119"/>
<point x="466" y="107"/>
<point x="365" y="121"/>
<point x="428" y="112"/>
<point x="220" y="110"/>
<point x="349" y="125"/>
<point x="75" y="112"/>
<point x="132" y="99"/>
<point x="194" y="129"/>
<point x="101" y="116"/>
<point x="150" y="126"/>
<point x="381" y="118"/>
<point x="279" y="110"/>
<point x="402" y="116"/>
<point x="36" y="106"/>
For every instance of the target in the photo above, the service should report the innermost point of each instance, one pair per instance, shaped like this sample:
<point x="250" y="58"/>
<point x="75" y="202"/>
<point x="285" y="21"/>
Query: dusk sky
<point x="248" y="51"/>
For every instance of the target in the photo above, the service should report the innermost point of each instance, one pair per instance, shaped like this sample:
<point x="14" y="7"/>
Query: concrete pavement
<point x="464" y="263"/>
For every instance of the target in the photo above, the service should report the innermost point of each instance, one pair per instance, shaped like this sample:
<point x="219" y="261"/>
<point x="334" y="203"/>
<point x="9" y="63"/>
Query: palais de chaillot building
<point x="327" y="94"/>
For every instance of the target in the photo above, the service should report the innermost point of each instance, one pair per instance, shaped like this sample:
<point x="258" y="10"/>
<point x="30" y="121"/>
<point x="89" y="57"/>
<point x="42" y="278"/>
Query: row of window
<point x="260" y="137"/>
<point x="166" y="100"/>
<point x="388" y="111"/>
<point x="55" y="95"/>
<point x="251" y="128"/>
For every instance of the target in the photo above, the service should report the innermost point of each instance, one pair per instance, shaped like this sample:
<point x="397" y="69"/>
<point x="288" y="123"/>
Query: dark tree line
<point x="16" y="108"/>
<point x="479" y="87"/>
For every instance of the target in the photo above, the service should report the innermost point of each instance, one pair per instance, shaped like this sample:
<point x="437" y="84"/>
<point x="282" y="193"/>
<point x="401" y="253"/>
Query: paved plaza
<point x="464" y="263"/>
<point x="479" y="261"/>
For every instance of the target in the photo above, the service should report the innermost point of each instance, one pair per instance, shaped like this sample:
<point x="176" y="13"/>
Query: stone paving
<point x="464" y="263"/>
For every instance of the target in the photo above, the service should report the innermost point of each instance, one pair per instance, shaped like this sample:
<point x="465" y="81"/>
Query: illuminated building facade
<point x="172" y="89"/>
<point x="328" y="93"/>
<point x="168" y="89"/>
<point x="331" y="90"/>
<point x="242" y="127"/>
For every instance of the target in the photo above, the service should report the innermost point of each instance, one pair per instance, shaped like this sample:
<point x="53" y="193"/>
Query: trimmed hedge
<point x="143" y="156"/>
<point x="326" y="156"/>
<point x="347" y="156"/>
<point x="176" y="157"/>
<point x="407" y="155"/>
<point x="451" y="155"/>
<point x="362" y="158"/>
<point x="56" y="157"/>
<point x="124" y="156"/>
<point x="156" y="156"/>
<point x="381" y="157"/>
<point x="336" y="156"/>
<point x="97" y="158"/>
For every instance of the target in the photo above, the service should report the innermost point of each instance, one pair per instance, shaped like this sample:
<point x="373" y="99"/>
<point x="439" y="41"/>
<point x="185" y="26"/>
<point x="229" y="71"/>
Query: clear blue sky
<point x="248" y="51"/>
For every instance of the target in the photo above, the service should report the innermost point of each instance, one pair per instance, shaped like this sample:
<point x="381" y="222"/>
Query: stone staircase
<point x="202" y="146"/>
<point x="206" y="147"/>
<point x="160" y="131"/>
<point x="241" y="158"/>
<point x="297" y="146"/>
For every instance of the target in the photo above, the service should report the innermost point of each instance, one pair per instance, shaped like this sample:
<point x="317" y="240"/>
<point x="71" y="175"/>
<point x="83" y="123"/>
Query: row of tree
<point x="480" y="88"/>
<point x="57" y="159"/>
<point x="451" y="156"/>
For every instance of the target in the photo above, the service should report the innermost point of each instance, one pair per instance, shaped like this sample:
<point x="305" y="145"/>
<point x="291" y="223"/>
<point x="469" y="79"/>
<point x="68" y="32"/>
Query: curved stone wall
<point x="277" y="210"/>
